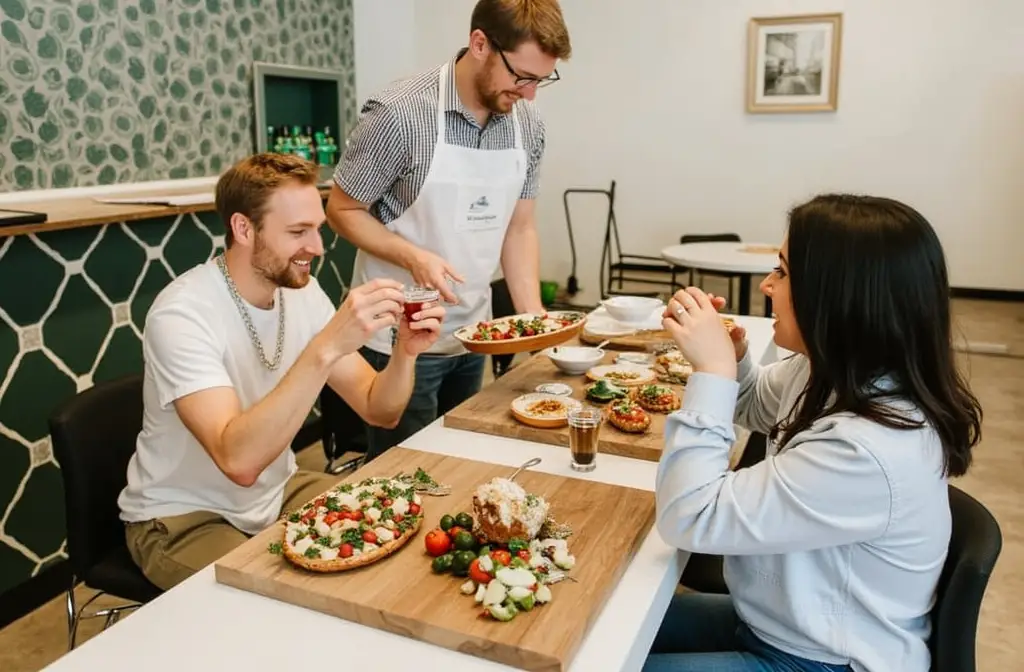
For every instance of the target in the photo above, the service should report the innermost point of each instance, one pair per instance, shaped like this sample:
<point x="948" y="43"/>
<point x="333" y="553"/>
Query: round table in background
<point x="744" y="259"/>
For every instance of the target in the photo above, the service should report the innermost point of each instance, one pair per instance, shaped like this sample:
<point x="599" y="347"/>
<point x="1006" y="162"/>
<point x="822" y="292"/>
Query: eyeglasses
<point x="523" y="80"/>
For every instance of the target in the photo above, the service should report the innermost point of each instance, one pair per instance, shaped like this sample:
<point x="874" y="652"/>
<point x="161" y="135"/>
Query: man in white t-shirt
<point x="236" y="352"/>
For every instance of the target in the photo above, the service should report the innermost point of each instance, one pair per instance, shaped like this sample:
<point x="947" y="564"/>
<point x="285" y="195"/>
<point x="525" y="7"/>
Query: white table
<point x="727" y="258"/>
<point x="204" y="625"/>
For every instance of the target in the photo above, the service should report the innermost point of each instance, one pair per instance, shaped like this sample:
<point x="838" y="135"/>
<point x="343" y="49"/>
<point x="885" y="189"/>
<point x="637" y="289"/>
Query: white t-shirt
<point x="194" y="338"/>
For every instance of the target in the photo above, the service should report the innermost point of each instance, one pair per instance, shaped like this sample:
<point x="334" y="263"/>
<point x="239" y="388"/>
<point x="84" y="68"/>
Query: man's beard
<point x="278" y="271"/>
<point x="493" y="99"/>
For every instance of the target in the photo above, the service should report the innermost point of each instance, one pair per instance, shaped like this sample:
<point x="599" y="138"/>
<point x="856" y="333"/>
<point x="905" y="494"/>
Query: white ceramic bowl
<point x="574" y="359"/>
<point x="632" y="309"/>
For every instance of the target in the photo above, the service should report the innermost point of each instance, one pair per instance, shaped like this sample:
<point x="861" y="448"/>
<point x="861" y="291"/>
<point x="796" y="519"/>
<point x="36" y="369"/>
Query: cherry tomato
<point x="370" y="537"/>
<point x="357" y="515"/>
<point x="437" y="542"/>
<point x="398" y="517"/>
<point x="524" y="554"/>
<point x="501" y="556"/>
<point x="345" y="550"/>
<point x="455" y="529"/>
<point x="477" y="573"/>
<point x="331" y="518"/>
<point x="414" y="509"/>
<point x="387" y="502"/>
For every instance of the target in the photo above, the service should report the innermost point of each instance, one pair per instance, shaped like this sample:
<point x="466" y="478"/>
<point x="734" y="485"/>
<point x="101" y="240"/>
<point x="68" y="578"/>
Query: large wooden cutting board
<point x="402" y="595"/>
<point x="489" y="412"/>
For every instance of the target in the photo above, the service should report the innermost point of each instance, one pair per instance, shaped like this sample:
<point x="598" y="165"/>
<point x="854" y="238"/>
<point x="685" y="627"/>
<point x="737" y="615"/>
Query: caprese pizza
<point x="629" y="416"/>
<point x="657" y="398"/>
<point x="352" y="525"/>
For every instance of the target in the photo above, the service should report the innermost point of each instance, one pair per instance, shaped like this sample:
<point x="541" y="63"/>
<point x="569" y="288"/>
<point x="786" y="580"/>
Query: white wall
<point x="385" y="43"/>
<point x="931" y="111"/>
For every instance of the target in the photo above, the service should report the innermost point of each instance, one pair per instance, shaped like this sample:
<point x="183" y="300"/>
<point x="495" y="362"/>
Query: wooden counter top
<point x="72" y="213"/>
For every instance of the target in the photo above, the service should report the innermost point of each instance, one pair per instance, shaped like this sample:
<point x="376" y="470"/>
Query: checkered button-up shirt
<point x="390" y="149"/>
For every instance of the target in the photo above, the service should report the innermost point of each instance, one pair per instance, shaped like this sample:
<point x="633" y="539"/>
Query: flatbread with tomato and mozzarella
<point x="352" y="525"/>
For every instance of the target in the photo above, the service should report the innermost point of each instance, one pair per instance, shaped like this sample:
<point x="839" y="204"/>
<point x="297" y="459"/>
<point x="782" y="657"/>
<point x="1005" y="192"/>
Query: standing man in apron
<point x="437" y="185"/>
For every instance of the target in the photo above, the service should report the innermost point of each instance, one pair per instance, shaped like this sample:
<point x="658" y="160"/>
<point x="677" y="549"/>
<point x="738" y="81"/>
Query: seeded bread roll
<point x="503" y="511"/>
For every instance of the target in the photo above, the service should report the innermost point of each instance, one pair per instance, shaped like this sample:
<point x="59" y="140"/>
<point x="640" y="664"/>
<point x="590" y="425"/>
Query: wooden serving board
<point x="401" y="594"/>
<point x="489" y="412"/>
<point x="640" y="340"/>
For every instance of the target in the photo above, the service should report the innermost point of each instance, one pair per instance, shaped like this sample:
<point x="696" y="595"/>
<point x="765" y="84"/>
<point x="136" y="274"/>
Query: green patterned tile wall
<point x="110" y="91"/>
<point x="79" y="321"/>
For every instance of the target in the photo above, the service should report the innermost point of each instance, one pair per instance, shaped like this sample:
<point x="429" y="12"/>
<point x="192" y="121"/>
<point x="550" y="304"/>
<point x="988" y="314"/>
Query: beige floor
<point x="40" y="638"/>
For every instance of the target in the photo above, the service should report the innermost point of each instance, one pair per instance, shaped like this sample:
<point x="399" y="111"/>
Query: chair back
<point x="974" y="547"/>
<point x="94" y="435"/>
<point x="709" y="238"/>
<point x="501" y="299"/>
<point x="342" y="430"/>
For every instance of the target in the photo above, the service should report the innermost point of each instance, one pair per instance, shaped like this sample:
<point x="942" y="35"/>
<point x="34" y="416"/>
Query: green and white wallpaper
<point x="109" y="91"/>
<point x="78" y="322"/>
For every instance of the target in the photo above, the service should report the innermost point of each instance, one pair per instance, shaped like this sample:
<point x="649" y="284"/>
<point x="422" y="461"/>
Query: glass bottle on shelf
<point x="332" y="148"/>
<point x="299" y="146"/>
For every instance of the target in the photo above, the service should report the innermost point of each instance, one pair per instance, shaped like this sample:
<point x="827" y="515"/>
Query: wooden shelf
<point x="73" y="213"/>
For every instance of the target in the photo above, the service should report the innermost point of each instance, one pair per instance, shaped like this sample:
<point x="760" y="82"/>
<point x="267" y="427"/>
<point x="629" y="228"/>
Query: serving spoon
<point x="525" y="465"/>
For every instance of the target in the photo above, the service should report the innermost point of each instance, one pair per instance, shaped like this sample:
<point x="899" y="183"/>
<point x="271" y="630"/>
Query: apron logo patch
<point x="479" y="205"/>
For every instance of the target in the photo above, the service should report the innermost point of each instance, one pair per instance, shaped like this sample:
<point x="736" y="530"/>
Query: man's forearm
<point x="367" y="232"/>
<point x="520" y="263"/>
<point x="391" y="389"/>
<point x="254" y="439"/>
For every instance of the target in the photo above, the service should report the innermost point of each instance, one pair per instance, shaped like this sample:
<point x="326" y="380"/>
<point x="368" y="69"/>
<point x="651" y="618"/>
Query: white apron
<point x="461" y="214"/>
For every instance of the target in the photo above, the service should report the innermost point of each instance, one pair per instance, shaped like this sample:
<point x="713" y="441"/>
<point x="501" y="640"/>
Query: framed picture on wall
<point x="793" y="63"/>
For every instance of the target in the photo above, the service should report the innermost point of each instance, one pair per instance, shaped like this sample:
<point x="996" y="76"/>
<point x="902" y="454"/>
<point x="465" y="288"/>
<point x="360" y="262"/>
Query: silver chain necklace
<point x="253" y="336"/>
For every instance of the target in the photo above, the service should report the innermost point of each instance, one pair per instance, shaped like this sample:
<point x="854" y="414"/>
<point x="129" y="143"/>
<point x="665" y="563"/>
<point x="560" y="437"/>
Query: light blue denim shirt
<point x="833" y="545"/>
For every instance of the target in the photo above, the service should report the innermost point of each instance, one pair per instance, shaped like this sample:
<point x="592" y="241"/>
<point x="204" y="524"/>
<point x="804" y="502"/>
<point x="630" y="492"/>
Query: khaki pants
<point x="169" y="550"/>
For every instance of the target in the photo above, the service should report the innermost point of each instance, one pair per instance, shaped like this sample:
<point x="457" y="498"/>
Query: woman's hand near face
<point x="693" y="321"/>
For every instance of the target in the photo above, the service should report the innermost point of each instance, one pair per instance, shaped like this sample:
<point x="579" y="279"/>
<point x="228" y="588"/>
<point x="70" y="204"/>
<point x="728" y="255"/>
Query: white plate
<point x="600" y="323"/>
<point x="521" y="404"/>
<point x="644" y="374"/>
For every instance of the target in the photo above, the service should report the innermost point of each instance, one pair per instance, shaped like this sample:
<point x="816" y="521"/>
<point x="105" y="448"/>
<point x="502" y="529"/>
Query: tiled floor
<point x="39" y="638"/>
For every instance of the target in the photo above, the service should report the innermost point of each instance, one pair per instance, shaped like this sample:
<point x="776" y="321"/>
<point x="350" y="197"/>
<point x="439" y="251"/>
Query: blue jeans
<point x="442" y="383"/>
<point x="702" y="632"/>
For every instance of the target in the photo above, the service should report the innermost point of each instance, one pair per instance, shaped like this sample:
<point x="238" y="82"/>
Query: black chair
<point x="342" y="431"/>
<point x="94" y="435"/>
<point x="615" y="263"/>
<point x="700" y="273"/>
<point x="974" y="547"/>
<point x="501" y="306"/>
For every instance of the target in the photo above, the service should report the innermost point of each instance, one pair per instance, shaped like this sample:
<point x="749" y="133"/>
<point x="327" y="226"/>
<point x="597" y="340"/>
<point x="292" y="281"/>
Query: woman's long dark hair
<point x="871" y="297"/>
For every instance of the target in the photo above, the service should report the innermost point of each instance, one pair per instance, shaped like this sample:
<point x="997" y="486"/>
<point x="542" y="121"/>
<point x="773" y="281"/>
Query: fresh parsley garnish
<point x="276" y="548"/>
<point x="312" y="552"/>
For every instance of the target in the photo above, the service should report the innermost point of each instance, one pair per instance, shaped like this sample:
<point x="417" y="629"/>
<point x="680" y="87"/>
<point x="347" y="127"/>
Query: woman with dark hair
<point x="833" y="545"/>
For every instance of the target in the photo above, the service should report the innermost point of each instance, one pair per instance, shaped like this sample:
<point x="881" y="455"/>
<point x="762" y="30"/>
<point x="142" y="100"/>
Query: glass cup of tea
<point x="416" y="297"/>
<point x="584" y="426"/>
